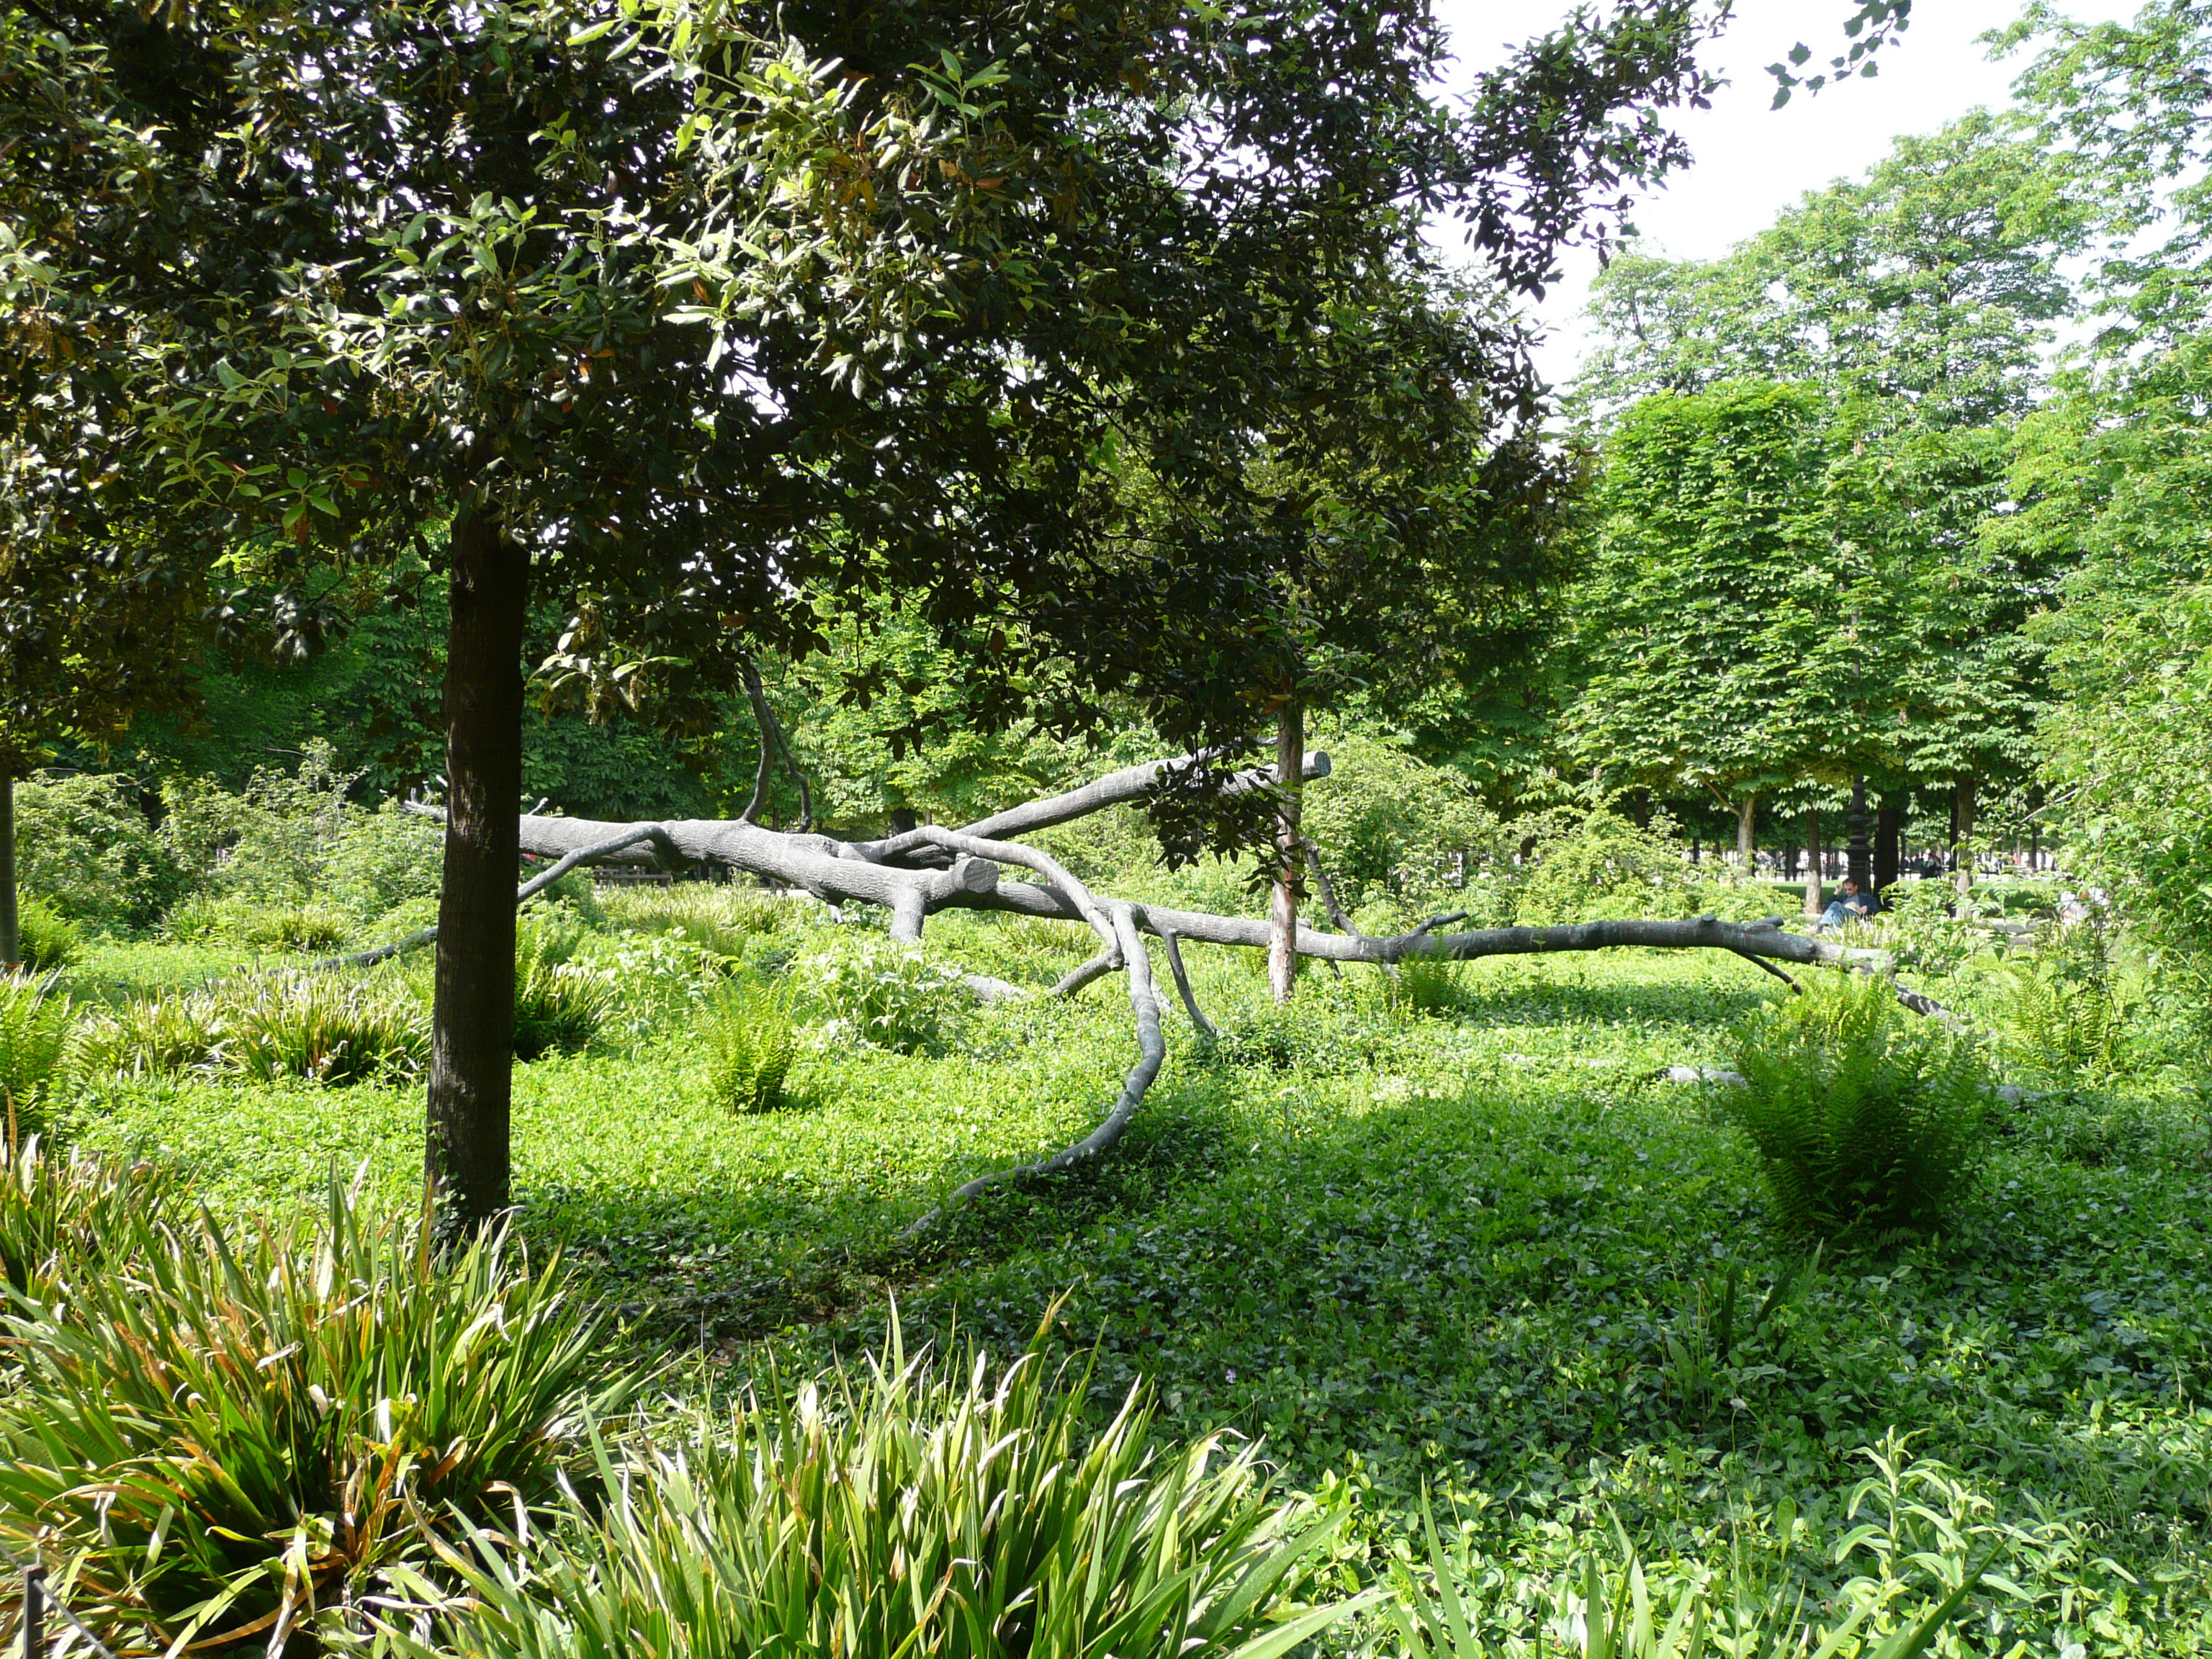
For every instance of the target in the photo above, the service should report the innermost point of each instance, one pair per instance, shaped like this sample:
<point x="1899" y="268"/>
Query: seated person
<point x="1850" y="904"/>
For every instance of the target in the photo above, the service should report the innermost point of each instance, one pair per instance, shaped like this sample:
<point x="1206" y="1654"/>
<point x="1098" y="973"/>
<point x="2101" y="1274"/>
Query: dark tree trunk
<point x="1888" y="842"/>
<point x="1639" y="808"/>
<point x="1282" y="912"/>
<point x="11" y="941"/>
<point x="472" y="1017"/>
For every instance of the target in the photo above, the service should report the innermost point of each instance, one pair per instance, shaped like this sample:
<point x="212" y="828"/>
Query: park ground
<point x="1481" y="1250"/>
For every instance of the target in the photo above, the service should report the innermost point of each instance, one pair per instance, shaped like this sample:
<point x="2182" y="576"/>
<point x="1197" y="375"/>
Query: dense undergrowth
<point x="1469" y="1245"/>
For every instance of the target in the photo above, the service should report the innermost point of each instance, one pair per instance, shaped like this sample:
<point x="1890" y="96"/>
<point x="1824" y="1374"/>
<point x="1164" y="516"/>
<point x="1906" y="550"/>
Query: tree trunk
<point x="1963" y="810"/>
<point x="473" y="1013"/>
<point x="1282" y="912"/>
<point x="1814" y="905"/>
<point x="1744" y="823"/>
<point x="1888" y="843"/>
<point x="11" y="941"/>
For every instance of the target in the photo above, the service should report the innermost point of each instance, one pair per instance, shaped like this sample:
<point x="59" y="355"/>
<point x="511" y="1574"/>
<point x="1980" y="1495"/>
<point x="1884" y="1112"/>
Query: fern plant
<point x="2063" y="1010"/>
<point x="1867" y="1121"/>
<point x="34" y="1032"/>
<point x="750" y="1043"/>
<point x="560" y="1004"/>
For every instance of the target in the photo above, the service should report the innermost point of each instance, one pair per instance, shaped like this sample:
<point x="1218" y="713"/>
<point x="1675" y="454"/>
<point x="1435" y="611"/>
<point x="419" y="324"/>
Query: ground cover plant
<point x="1477" y="1249"/>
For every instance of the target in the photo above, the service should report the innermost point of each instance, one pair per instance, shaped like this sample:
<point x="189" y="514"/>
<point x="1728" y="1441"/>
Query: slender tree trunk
<point x="472" y="1016"/>
<point x="1963" y="815"/>
<point x="1814" y="905"/>
<point x="11" y="941"/>
<point x="1282" y="912"/>
<point x="1745" y="831"/>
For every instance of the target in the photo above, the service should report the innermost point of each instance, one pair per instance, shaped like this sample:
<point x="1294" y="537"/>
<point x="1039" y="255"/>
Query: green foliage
<point x="1388" y="823"/>
<point x="925" y="1509"/>
<point x="732" y="922"/>
<point x="332" y="1028"/>
<point x="219" y="1433"/>
<point x="1429" y="984"/>
<point x="883" y="995"/>
<point x="47" y="938"/>
<point x="1868" y="1119"/>
<point x="34" y="1035"/>
<point x="1599" y="866"/>
<point x="750" y="1043"/>
<point x="61" y="1216"/>
<point x="256" y="925"/>
<point x="84" y="845"/>
<point x="2065" y="1012"/>
<point x="560" y="1004"/>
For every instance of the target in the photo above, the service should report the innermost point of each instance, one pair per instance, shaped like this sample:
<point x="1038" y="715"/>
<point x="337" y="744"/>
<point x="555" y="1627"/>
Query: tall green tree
<point x="639" y="301"/>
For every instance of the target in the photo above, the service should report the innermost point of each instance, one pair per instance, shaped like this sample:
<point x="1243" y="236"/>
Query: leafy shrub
<point x="560" y="1004"/>
<point x="1428" y="984"/>
<point x="227" y="1436"/>
<point x="884" y="995"/>
<point x="724" y="918"/>
<point x="255" y="924"/>
<point x="1868" y="1119"/>
<point x="1597" y="1611"/>
<point x="2063" y="1010"/>
<point x="925" y="1510"/>
<point x="34" y="1034"/>
<point x="59" y="1215"/>
<point x="1385" y="822"/>
<point x="749" y="1047"/>
<point x="383" y="859"/>
<point x="1600" y="866"/>
<point x="47" y="938"/>
<point x="85" y="845"/>
<point x="325" y="1028"/>
<point x="153" y="1036"/>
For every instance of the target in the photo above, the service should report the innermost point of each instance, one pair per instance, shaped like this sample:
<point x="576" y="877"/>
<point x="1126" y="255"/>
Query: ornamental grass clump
<point x="1868" y="1119"/>
<point x="324" y="1028"/>
<point x="59" y="1214"/>
<point x="560" y="1004"/>
<point x="217" y="1439"/>
<point x="924" y="1509"/>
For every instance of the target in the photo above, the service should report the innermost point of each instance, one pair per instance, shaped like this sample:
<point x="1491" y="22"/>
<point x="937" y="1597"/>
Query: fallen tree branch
<point x="1151" y="1053"/>
<point x="1182" y="986"/>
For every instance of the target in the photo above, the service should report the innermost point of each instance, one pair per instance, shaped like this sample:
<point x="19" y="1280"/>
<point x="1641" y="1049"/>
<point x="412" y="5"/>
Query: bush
<point x="1868" y="1119"/>
<point x="59" y="1216"/>
<point x="153" y="1036"/>
<point x="323" y="1028"/>
<point x="884" y="995"/>
<point x="230" y="1437"/>
<point x="84" y="844"/>
<point x="383" y="860"/>
<point x="560" y="1004"/>
<point x="34" y="1034"/>
<point x="1601" y="868"/>
<point x="2062" y="1012"/>
<point x="923" y="1511"/>
<point x="749" y="1047"/>
<point x="45" y="938"/>
<point x="1428" y="984"/>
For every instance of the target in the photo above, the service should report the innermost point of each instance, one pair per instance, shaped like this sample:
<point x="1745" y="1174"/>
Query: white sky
<point x="1752" y="162"/>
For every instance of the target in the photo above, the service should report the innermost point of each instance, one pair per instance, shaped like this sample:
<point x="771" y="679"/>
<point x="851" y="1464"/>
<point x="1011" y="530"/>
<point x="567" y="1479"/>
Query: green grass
<point x="1484" y="1252"/>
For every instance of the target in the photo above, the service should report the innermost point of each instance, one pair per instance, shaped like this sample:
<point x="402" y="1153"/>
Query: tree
<point x="1731" y="637"/>
<point x="89" y="638"/>
<point x="1922" y="298"/>
<point x="637" y="303"/>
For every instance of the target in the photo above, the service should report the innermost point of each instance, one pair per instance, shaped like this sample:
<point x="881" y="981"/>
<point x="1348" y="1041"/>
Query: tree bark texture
<point x="11" y="937"/>
<point x="1746" y="831"/>
<point x="472" y="1012"/>
<point x="1813" y="897"/>
<point x="1283" y="907"/>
